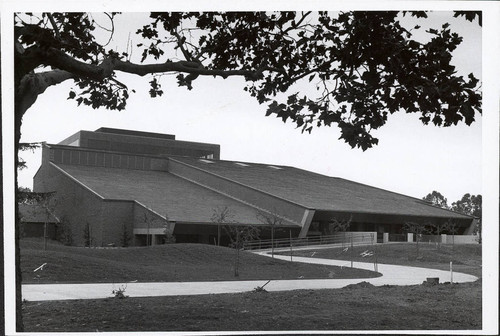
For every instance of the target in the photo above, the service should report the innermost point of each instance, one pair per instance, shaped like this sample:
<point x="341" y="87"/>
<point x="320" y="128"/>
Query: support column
<point x="306" y="222"/>
<point x="386" y="237"/>
<point x="410" y="237"/>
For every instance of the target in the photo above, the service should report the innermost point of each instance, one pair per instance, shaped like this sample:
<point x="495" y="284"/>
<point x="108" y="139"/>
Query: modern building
<point x="120" y="183"/>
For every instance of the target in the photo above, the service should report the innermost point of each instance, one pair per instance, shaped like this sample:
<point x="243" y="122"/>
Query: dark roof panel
<point x="320" y="192"/>
<point x="160" y="191"/>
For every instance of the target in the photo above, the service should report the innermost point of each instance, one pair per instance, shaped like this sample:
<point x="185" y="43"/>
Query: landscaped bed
<point x="173" y="262"/>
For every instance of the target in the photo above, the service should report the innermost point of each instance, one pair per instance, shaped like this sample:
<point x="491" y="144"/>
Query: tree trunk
<point x="17" y="137"/>
<point x="272" y="241"/>
<point x="237" y="264"/>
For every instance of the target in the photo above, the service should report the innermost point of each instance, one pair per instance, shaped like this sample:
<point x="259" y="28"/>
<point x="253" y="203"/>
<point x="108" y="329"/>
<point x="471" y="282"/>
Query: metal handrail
<point x="306" y="241"/>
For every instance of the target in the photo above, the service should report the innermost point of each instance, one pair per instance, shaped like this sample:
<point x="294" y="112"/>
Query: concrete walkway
<point x="392" y="275"/>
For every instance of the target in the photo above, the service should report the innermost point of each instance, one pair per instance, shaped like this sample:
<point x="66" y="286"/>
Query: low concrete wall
<point x="445" y="239"/>
<point x="462" y="239"/>
<point x="358" y="237"/>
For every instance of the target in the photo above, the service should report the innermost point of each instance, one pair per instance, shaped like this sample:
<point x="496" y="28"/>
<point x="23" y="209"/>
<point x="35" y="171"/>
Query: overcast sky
<point x="411" y="158"/>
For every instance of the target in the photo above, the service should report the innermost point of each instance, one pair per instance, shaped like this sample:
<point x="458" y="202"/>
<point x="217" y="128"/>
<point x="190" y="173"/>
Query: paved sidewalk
<point x="392" y="275"/>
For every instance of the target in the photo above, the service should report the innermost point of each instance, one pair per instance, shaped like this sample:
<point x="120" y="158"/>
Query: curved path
<point x="391" y="275"/>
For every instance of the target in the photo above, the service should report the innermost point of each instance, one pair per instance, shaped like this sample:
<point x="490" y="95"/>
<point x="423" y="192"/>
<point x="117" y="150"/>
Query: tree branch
<point x="54" y="25"/>
<point x="32" y="85"/>
<point x="60" y="60"/>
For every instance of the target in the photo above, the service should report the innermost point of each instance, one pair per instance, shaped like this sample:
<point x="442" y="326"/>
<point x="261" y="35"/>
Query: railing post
<point x="352" y="253"/>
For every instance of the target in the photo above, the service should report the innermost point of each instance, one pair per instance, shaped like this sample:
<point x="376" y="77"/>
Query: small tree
<point x="149" y="221"/>
<point x="238" y="235"/>
<point x="452" y="227"/>
<point x="337" y="225"/>
<point x="169" y="232"/>
<point x="125" y="239"/>
<point x="438" y="228"/>
<point x="87" y="235"/>
<point x="417" y="229"/>
<point x="272" y="219"/>
<point x="221" y="216"/>
<point x="479" y="231"/>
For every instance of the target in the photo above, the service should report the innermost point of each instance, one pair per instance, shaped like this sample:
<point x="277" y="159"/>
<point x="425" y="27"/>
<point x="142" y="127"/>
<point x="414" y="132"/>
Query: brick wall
<point x="78" y="206"/>
<point x="117" y="217"/>
<point x="142" y="216"/>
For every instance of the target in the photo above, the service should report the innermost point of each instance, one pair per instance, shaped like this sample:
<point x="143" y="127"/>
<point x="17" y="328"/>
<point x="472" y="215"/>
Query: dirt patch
<point x="362" y="284"/>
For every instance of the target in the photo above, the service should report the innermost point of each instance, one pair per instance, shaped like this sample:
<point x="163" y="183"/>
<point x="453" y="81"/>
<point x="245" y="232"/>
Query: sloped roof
<point x="35" y="213"/>
<point x="166" y="194"/>
<point x="320" y="192"/>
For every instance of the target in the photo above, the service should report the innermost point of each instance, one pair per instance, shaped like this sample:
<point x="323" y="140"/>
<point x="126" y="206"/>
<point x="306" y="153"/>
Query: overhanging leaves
<point x="352" y="69"/>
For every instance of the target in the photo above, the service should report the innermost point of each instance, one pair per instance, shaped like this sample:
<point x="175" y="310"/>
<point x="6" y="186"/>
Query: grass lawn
<point x="175" y="262"/>
<point x="357" y="307"/>
<point x="466" y="258"/>
<point x="441" y="307"/>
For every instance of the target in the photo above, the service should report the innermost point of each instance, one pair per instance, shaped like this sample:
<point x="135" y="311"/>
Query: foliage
<point x="120" y="292"/>
<point x="26" y="196"/>
<point x="32" y="146"/>
<point x="240" y="234"/>
<point x="436" y="199"/>
<point x="169" y="232"/>
<point x="339" y="225"/>
<point x="417" y="228"/>
<point x="471" y="205"/>
<point x="357" y="67"/>
<point x="222" y="215"/>
<point x="261" y="289"/>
